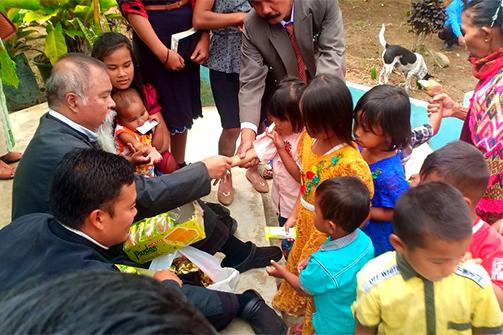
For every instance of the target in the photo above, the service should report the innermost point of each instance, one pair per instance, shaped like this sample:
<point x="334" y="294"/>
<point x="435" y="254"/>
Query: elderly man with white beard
<point x="78" y="94"/>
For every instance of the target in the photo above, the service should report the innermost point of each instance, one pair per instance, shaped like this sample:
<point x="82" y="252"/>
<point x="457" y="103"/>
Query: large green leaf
<point x="107" y="4"/>
<point x="55" y="44"/>
<point x="82" y="9"/>
<point x="88" y="33"/>
<point x="38" y="16"/>
<point x="8" y="73"/>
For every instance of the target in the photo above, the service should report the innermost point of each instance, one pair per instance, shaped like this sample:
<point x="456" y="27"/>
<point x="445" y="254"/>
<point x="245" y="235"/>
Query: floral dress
<point x="389" y="184"/>
<point x="342" y="160"/>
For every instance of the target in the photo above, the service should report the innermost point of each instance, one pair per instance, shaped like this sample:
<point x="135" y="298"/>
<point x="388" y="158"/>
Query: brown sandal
<point x="225" y="198"/>
<point x="258" y="183"/>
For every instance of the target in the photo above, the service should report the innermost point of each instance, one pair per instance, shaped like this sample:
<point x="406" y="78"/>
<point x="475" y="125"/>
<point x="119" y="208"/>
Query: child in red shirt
<point x="464" y="167"/>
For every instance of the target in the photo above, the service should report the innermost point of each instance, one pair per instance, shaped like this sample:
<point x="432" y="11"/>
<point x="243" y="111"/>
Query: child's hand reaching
<point x="276" y="139"/>
<point x="276" y="270"/>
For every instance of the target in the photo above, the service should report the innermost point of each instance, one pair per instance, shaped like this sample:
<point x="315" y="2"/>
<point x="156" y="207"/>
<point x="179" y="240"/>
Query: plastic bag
<point x="224" y="279"/>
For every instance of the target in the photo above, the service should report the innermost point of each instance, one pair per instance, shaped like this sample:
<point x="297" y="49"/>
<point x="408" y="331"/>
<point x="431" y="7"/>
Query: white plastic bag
<point x="224" y="279"/>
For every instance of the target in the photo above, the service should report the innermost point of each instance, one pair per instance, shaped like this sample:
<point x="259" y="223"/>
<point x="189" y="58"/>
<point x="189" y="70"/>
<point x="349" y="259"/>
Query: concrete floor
<point x="252" y="210"/>
<point x="247" y="208"/>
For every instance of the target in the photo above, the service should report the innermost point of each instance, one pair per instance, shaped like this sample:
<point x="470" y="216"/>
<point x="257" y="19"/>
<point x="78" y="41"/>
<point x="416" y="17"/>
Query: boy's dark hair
<point x="433" y="209"/>
<point x="284" y="103"/>
<point x="345" y="201"/>
<point x="389" y="107"/>
<point x="125" y="98"/>
<point x="327" y="105"/>
<point x="86" y="180"/>
<point x="486" y="13"/>
<point x="99" y="302"/>
<point x="111" y="41"/>
<point x="461" y="165"/>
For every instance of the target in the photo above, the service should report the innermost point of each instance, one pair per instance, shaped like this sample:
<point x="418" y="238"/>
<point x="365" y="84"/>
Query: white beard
<point x="105" y="133"/>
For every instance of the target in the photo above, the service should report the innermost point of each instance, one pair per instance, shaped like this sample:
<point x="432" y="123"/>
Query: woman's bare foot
<point x="11" y="157"/>
<point x="6" y="171"/>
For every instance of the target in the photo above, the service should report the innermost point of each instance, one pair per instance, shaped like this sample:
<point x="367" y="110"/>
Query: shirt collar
<point x="339" y="243"/>
<point x="91" y="135"/>
<point x="405" y="269"/>
<point x="283" y="22"/>
<point x="84" y="235"/>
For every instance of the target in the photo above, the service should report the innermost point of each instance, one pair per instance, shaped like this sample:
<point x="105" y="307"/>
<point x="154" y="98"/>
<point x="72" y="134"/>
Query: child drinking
<point x="280" y="146"/>
<point x="132" y="114"/>
<point x="382" y="127"/>
<point x="325" y="150"/>
<point x="115" y="50"/>
<point x="422" y="288"/>
<point x="341" y="206"/>
<point x="464" y="167"/>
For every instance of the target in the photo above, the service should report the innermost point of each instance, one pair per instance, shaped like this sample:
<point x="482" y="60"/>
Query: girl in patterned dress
<point x="325" y="150"/>
<point x="382" y="128"/>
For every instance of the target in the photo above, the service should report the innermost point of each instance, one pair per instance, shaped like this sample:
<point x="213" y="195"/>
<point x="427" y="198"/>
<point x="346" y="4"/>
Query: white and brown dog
<point x="406" y="61"/>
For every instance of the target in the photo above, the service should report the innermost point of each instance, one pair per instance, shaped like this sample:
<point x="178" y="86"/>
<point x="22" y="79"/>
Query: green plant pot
<point x="43" y="65"/>
<point x="28" y="93"/>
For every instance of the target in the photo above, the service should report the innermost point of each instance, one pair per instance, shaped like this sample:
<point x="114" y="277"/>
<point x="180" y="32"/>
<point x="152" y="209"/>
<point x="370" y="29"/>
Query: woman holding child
<point x="173" y="73"/>
<point x="482" y="22"/>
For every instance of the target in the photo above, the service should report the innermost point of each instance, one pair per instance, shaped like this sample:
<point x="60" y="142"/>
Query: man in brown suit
<point x="270" y="53"/>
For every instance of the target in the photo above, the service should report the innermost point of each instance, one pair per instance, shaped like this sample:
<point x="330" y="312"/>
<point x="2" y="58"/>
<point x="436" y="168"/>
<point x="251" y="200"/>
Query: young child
<point x="381" y="129"/>
<point x="131" y="114"/>
<point x="280" y="146"/>
<point x="325" y="150"/>
<point x="341" y="206"/>
<point x="464" y="167"/>
<point x="422" y="288"/>
<point x="115" y="50"/>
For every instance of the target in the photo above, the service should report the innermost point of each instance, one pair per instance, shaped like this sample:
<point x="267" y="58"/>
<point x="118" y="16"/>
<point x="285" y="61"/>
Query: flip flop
<point x="258" y="183"/>
<point x="11" y="157"/>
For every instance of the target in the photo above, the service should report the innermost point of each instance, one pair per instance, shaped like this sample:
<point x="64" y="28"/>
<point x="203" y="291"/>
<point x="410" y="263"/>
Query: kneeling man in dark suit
<point x="93" y="201"/>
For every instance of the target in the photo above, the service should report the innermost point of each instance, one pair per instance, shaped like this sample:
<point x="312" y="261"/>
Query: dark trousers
<point x="217" y="233"/>
<point x="219" y="308"/>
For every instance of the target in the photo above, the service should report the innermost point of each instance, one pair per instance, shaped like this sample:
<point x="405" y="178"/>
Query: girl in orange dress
<point x="325" y="150"/>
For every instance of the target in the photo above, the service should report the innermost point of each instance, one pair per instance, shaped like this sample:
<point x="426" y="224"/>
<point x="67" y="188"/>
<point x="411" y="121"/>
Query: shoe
<point x="225" y="197"/>
<point x="262" y="318"/>
<point x="259" y="257"/>
<point x="258" y="183"/>
<point x="11" y="157"/>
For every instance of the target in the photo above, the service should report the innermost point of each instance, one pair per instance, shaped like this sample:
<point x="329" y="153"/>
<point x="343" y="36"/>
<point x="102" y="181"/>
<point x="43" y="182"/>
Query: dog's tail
<point x="381" y="37"/>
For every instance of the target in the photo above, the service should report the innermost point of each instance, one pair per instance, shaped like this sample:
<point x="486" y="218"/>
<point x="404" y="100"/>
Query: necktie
<point x="301" y="67"/>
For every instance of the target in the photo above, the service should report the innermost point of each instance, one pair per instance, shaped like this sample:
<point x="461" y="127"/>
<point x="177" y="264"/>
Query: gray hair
<point x="486" y="13"/>
<point x="71" y="73"/>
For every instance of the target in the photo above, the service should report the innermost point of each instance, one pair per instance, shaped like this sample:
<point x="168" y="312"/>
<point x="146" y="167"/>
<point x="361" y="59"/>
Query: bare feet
<point x="6" y="171"/>
<point x="11" y="157"/>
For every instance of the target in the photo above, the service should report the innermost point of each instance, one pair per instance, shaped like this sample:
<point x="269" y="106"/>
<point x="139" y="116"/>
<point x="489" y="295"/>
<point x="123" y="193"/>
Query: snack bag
<point x="279" y="233"/>
<point x="165" y="233"/>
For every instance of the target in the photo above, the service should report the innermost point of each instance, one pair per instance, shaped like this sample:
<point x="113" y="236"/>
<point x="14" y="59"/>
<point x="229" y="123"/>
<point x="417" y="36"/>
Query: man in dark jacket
<point x="78" y="94"/>
<point x="89" y="225"/>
